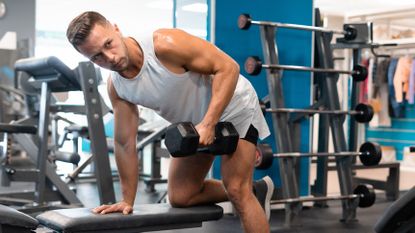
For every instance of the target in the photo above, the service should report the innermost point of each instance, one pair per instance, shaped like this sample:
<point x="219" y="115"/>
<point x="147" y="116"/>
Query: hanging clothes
<point x="363" y="98"/>
<point x="370" y="78"/>
<point x="370" y="89"/>
<point x="381" y="92"/>
<point x="381" y="75"/>
<point x="395" y="109"/>
<point x="411" y="89"/>
<point x="401" y="78"/>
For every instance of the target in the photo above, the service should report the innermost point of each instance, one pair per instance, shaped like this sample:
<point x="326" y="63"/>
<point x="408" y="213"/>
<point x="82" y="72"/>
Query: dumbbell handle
<point x="294" y="110"/>
<point x="312" y="198"/>
<point x="204" y="149"/>
<point x="297" y="26"/>
<point x="318" y="154"/>
<point x="305" y="68"/>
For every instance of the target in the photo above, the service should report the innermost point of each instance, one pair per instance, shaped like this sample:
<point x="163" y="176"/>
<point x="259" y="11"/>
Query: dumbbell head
<point x="359" y="73"/>
<point x="244" y="21"/>
<point x="226" y="139"/>
<point x="365" y="113"/>
<point x="182" y="139"/>
<point x="253" y="65"/>
<point x="264" y="157"/>
<point x="350" y="32"/>
<point x="366" y="195"/>
<point x="371" y="153"/>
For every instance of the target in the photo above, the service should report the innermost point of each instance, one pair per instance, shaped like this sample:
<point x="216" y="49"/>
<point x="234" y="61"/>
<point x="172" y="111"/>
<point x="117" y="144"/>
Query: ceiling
<point x="130" y="15"/>
<point x="349" y="8"/>
<point x="160" y="11"/>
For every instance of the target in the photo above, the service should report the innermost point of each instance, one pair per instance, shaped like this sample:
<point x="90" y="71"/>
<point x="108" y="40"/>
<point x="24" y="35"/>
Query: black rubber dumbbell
<point x="182" y="139"/>
<point x="366" y="195"/>
<point x="350" y="32"/>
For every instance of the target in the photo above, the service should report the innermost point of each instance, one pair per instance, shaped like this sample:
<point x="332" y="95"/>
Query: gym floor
<point x="313" y="220"/>
<point x="319" y="220"/>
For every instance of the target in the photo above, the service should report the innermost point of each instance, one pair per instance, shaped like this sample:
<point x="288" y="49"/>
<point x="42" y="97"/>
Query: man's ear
<point x="116" y="28"/>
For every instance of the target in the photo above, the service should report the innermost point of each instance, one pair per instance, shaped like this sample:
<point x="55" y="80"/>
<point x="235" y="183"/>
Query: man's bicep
<point x="126" y="117"/>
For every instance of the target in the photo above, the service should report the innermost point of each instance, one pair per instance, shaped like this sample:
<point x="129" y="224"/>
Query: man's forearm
<point x="127" y="163"/>
<point x="223" y="88"/>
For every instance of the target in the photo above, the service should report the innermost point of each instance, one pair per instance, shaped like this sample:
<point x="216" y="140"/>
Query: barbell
<point x="365" y="193"/>
<point x="245" y="21"/>
<point x="253" y="66"/>
<point x="370" y="154"/>
<point x="362" y="113"/>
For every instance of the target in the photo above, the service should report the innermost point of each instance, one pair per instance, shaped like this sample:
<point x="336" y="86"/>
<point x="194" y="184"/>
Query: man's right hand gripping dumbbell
<point x="182" y="139"/>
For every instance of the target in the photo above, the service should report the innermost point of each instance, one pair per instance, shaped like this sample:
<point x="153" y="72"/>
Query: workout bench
<point x="147" y="217"/>
<point x="390" y="186"/>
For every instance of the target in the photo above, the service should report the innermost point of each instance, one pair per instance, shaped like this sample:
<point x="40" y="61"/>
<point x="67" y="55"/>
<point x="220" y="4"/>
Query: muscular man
<point x="183" y="78"/>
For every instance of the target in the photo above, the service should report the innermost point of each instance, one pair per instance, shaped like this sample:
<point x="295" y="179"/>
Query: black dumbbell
<point x="244" y="21"/>
<point x="366" y="195"/>
<point x="182" y="139"/>
<point x="350" y="32"/>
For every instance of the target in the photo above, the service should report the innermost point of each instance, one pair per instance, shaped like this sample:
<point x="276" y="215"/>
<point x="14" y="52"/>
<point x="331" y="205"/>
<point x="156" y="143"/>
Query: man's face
<point x="105" y="47"/>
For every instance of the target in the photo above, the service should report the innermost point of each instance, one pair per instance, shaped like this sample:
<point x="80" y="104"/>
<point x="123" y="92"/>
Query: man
<point x="183" y="78"/>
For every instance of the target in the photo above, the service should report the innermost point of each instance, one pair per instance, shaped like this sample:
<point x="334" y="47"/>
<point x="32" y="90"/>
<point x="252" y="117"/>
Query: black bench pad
<point x="400" y="213"/>
<point x="11" y="128"/>
<point x="12" y="217"/>
<point x="149" y="217"/>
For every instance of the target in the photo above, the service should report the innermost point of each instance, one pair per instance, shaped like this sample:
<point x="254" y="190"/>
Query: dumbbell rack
<point x="285" y="138"/>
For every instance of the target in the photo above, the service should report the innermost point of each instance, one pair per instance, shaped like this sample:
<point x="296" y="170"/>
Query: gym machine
<point x="327" y="104"/>
<point x="151" y="153"/>
<point x="51" y="75"/>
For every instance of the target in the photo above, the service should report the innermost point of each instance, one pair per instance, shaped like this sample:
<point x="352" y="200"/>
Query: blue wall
<point x="401" y="134"/>
<point x="294" y="47"/>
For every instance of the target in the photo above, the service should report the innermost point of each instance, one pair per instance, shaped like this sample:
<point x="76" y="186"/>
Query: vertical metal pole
<point x="336" y="123"/>
<point x="354" y="127"/>
<point x="319" y="188"/>
<point x="87" y="78"/>
<point x="43" y="133"/>
<point x="280" y="125"/>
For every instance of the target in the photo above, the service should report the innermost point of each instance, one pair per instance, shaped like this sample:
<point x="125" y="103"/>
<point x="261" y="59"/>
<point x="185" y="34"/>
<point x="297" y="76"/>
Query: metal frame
<point x="282" y="132"/>
<point x="331" y="97"/>
<point x="327" y="82"/>
<point x="47" y="181"/>
<point x="86" y="74"/>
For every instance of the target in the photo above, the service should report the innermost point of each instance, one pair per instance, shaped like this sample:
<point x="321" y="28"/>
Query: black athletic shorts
<point x="251" y="135"/>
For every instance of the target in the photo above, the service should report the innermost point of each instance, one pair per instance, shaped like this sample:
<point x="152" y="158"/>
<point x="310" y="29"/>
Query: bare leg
<point x="187" y="185"/>
<point x="237" y="172"/>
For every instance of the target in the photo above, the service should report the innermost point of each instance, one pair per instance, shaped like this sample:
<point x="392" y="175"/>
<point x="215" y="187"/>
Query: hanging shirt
<point x="396" y="109"/>
<point x="411" y="89"/>
<point x="401" y="78"/>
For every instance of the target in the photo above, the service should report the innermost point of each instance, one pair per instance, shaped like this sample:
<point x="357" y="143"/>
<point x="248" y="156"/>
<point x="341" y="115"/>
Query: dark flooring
<point x="312" y="220"/>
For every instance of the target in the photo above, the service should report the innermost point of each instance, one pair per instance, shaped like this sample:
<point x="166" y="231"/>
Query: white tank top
<point x="186" y="97"/>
